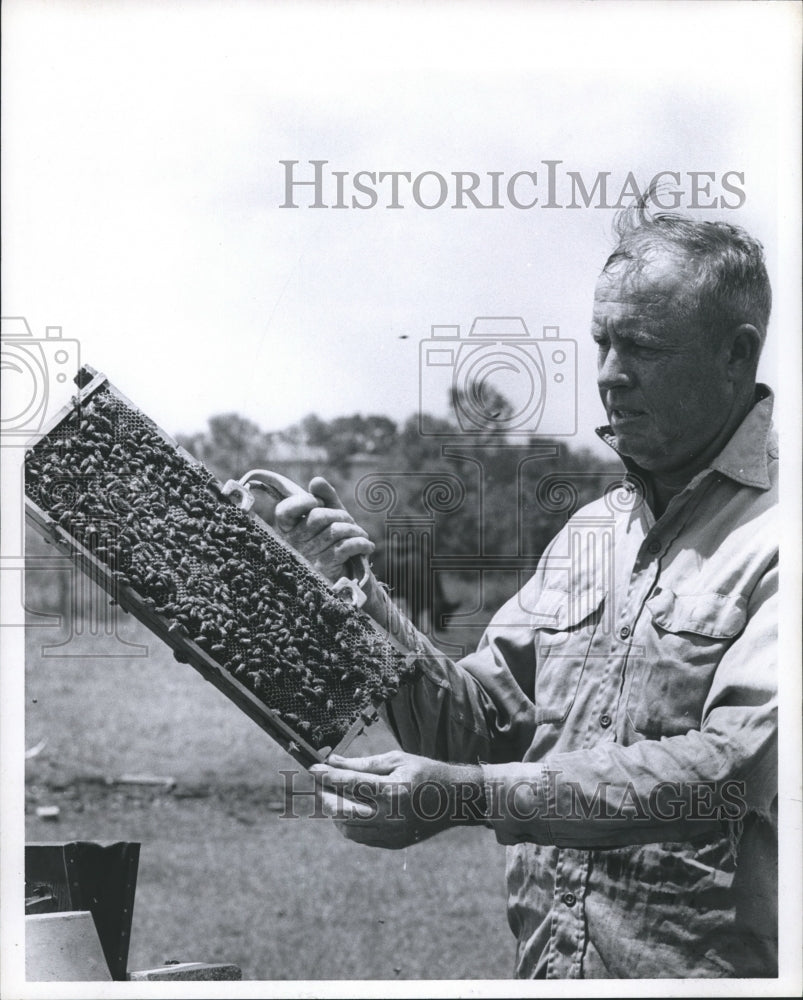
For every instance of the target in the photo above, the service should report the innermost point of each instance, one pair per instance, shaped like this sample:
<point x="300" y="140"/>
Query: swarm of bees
<point x="212" y="576"/>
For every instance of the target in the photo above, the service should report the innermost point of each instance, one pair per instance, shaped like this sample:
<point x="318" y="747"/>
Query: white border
<point x="778" y="22"/>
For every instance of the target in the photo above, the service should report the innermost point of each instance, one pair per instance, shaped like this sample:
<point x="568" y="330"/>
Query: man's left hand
<point x="395" y="799"/>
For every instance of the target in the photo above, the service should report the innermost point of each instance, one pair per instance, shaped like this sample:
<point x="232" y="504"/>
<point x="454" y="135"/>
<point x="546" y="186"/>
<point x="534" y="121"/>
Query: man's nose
<point x="612" y="373"/>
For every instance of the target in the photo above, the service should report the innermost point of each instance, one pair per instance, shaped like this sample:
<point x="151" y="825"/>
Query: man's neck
<point x="662" y="492"/>
<point x="666" y="485"/>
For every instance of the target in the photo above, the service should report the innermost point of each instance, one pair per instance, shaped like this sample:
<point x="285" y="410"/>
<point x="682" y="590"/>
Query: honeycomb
<point x="210" y="576"/>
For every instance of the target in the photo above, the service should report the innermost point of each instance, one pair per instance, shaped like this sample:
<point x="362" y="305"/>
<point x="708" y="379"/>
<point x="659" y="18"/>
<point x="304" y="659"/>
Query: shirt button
<point x="605" y="721"/>
<point x="569" y="898"/>
<point x="624" y="631"/>
<point x="654" y="547"/>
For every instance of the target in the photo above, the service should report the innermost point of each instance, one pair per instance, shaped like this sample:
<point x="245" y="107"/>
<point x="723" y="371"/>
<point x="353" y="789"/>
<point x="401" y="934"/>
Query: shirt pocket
<point x="687" y="636"/>
<point x="564" y="627"/>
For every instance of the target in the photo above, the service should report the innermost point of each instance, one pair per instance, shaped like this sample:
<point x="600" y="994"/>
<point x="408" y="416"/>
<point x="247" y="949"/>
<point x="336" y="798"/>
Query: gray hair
<point x="730" y="284"/>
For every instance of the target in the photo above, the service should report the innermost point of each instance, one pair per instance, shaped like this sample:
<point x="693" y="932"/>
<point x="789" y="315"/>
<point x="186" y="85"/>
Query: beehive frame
<point x="150" y="525"/>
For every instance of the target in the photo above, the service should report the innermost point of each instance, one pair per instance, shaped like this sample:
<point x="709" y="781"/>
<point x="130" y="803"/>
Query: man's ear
<point x="744" y="347"/>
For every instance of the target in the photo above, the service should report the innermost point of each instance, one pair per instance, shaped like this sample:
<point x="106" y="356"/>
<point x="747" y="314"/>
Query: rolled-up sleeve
<point x="476" y="709"/>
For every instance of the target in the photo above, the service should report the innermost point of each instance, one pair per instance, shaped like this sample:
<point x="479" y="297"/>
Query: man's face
<point x="663" y="381"/>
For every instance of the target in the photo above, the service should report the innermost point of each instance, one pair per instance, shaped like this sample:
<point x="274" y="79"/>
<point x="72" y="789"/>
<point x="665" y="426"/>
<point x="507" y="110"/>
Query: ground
<point x="224" y="875"/>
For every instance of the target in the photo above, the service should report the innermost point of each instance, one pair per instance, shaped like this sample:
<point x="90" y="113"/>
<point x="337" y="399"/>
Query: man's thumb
<point x="324" y="490"/>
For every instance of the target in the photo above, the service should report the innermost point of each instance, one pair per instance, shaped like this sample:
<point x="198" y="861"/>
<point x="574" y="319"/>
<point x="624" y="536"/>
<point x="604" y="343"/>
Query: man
<point x="617" y="724"/>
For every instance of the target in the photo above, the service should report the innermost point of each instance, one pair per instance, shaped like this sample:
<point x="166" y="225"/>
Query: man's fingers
<point x="343" y="809"/>
<point x="323" y="527"/>
<point x="343" y="551"/>
<point x="292" y="509"/>
<point x="345" y="780"/>
<point x="320" y="529"/>
<point x="380" y="763"/>
<point x="325" y="491"/>
<point x="373" y="834"/>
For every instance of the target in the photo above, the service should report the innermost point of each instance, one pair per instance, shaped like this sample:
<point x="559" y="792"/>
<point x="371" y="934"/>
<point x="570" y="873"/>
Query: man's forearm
<point x="463" y="789"/>
<point x="385" y="613"/>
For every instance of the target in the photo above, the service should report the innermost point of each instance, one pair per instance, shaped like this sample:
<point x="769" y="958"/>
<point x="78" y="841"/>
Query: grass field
<point x="222" y="876"/>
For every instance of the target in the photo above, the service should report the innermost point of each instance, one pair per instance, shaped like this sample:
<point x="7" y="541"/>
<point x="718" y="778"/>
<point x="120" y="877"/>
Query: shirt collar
<point x="745" y="457"/>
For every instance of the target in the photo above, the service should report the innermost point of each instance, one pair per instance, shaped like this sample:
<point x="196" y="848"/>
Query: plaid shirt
<point x="623" y="706"/>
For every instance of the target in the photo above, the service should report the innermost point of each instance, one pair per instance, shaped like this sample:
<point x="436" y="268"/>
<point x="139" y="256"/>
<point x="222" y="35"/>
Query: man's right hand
<point x="318" y="526"/>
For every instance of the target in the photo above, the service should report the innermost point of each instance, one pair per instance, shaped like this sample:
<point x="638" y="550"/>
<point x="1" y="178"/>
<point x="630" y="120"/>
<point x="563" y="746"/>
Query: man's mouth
<point x="618" y="414"/>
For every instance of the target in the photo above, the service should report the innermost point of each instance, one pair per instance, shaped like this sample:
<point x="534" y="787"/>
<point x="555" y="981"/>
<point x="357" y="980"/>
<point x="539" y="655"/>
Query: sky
<point x="143" y="182"/>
